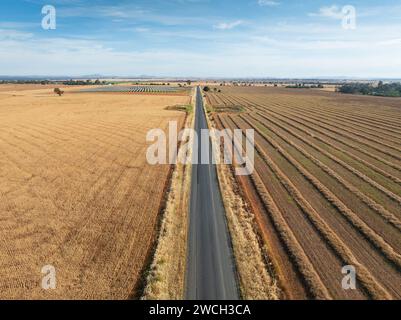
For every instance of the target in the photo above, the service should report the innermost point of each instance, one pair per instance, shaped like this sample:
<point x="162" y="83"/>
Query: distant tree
<point x="58" y="91"/>
<point x="206" y="89"/>
<point x="384" y="90"/>
<point x="97" y="81"/>
<point x="214" y="89"/>
<point x="189" y="82"/>
<point x="219" y="90"/>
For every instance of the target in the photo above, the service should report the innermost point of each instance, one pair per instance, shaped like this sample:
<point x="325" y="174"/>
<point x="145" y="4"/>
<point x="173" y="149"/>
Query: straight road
<point x="210" y="266"/>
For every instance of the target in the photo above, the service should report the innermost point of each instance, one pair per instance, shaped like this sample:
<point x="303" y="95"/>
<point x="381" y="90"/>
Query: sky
<point x="202" y="38"/>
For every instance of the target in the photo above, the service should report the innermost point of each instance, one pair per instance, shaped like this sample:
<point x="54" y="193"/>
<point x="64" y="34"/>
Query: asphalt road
<point x="210" y="266"/>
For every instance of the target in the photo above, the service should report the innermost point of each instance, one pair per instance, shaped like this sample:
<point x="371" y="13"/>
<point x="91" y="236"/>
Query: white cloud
<point x="326" y="52"/>
<point x="10" y="34"/>
<point x="261" y="49"/>
<point x="333" y="12"/>
<point x="390" y="42"/>
<point x="228" y="25"/>
<point x="269" y="3"/>
<point x="129" y="13"/>
<point x="141" y="29"/>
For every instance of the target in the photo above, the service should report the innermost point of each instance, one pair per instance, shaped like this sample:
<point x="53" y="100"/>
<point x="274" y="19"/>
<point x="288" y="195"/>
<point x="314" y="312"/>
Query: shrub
<point x="58" y="91"/>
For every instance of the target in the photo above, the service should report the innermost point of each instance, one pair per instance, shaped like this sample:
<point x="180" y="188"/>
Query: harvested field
<point x="23" y="87"/>
<point x="77" y="192"/>
<point x="326" y="191"/>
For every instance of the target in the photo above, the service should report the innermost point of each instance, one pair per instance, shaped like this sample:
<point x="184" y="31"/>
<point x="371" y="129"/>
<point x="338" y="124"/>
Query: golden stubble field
<point x="76" y="191"/>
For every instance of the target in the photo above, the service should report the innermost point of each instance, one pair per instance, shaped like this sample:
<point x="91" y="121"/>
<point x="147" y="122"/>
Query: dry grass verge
<point x="257" y="279"/>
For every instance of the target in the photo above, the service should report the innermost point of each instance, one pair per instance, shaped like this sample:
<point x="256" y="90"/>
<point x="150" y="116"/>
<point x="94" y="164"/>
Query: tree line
<point x="305" y="86"/>
<point x="382" y="89"/>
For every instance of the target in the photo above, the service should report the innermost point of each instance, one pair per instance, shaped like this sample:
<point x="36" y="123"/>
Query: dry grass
<point x="23" y="87"/>
<point x="257" y="278"/>
<point x="77" y="192"/>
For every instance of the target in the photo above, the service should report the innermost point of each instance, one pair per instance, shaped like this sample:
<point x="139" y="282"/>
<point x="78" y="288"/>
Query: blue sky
<point x="219" y="38"/>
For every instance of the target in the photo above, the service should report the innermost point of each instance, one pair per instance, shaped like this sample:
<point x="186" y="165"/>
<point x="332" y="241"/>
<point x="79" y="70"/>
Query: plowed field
<point x="326" y="191"/>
